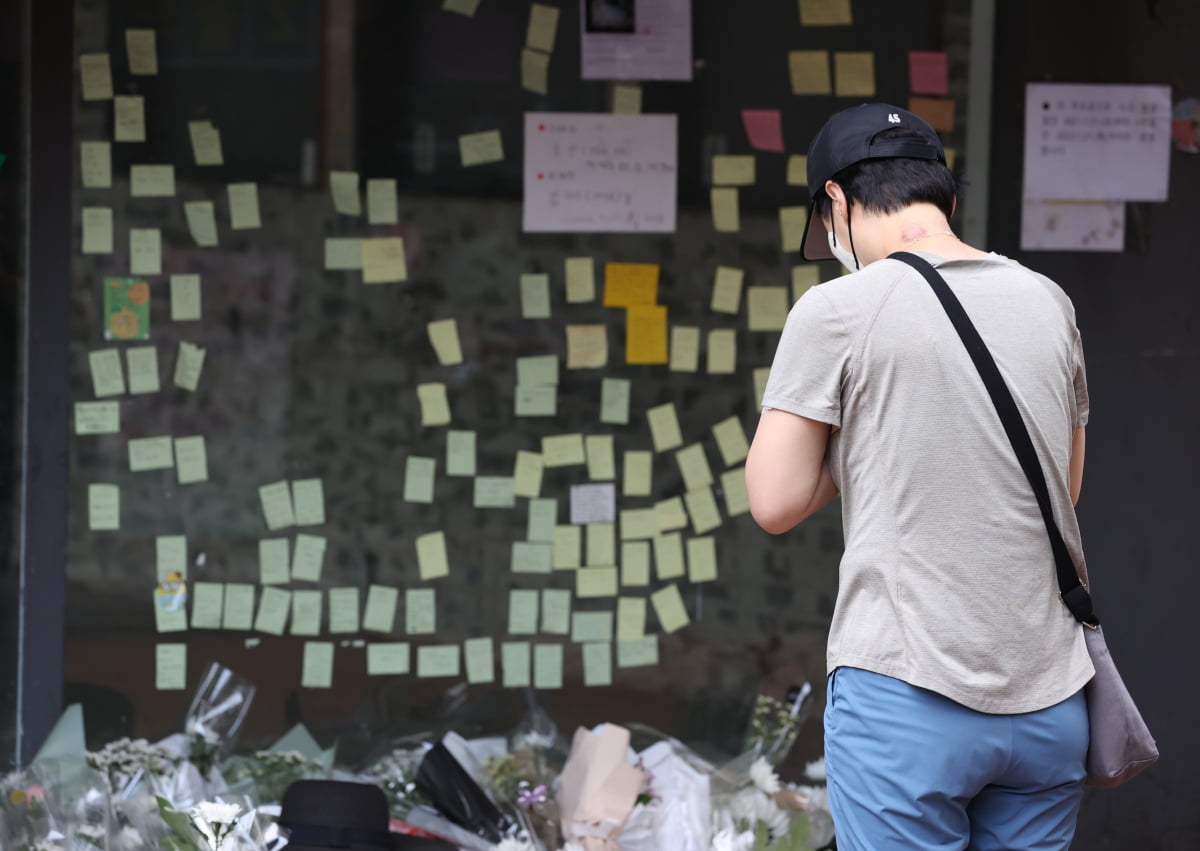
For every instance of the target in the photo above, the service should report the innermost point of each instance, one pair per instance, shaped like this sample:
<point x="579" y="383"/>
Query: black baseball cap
<point x="845" y="140"/>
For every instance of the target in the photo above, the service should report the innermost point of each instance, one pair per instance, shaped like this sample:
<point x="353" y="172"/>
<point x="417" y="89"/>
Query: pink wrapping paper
<point x="598" y="788"/>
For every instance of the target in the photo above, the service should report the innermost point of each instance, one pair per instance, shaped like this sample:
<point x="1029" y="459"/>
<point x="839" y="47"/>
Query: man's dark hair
<point x="890" y="184"/>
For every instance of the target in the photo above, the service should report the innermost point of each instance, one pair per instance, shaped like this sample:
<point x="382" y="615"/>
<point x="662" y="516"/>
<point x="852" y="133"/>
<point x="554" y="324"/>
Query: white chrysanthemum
<point x="129" y="839"/>
<point x="571" y="846"/>
<point x="764" y="776"/>
<point x="751" y="805"/>
<point x="815" y="770"/>
<point x="728" y="840"/>
<point x="215" y="812"/>
<point x="814" y="797"/>
<point x="513" y="844"/>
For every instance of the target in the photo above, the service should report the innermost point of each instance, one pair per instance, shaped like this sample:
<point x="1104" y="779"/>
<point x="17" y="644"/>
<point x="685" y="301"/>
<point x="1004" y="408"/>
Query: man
<point x="954" y="713"/>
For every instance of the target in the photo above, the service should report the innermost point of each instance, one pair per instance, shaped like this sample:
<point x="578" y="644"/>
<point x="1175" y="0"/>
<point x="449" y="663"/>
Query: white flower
<point x="751" y="806"/>
<point x="814" y="797"/>
<point x="815" y="770"/>
<point x="129" y="839"/>
<point x="764" y="776"/>
<point x="215" y="812"/>
<point x="571" y="846"/>
<point x="513" y="844"/>
<point x="727" y="840"/>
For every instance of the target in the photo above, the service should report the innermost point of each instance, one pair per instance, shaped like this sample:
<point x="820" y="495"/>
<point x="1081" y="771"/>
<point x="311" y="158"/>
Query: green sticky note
<point x="191" y="459"/>
<point x="273" y="607"/>
<point x="527" y="474"/>
<point x="168" y="618"/>
<point x="591" y="626"/>
<point x="380" y="613"/>
<point x="388" y="658"/>
<point x="185" y="298"/>
<point x="460" y="453"/>
<point x="531" y="557"/>
<point x="239" y="606"/>
<point x="568" y="541"/>
<point x="494" y="492"/>
<point x="480" y="654"/>
<point x="306" y="612"/>
<point x="170" y="667"/>
<point x="420" y="611"/>
<point x="548" y="666"/>
<point x="631" y="619"/>
<point x="522" y="611"/>
<point x="601" y="547"/>
<point x="274" y="561"/>
<point x="614" y="401"/>
<point x="543" y="519"/>
<point x="142" y="362"/>
<point x="276" y="499"/>
<point x="170" y="556"/>
<point x="97" y="417"/>
<point x="318" y="665"/>
<point x="438" y="660"/>
<point x="514" y="663"/>
<point x="104" y="507"/>
<point x="556" y="611"/>
<point x="208" y="601"/>
<point x="308" y="558"/>
<point x="418" y="479"/>
<point x="107" y="377"/>
<point x="599" y="451"/>
<point x="188" y="365"/>
<point x="635" y="563"/>
<point x="431" y="556"/>
<point x="596" y="582"/>
<point x="308" y="499"/>
<point x="638" y="654"/>
<point x="151" y="453"/>
<point x="343" y="610"/>
<point x="597" y="664"/>
<point x="668" y="605"/>
<point x="535" y="296"/>
<point x="127" y="300"/>
<point x="535" y="400"/>
<point x="537" y="370"/>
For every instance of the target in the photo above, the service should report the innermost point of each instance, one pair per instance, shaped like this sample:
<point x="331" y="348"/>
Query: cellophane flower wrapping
<point x="775" y="722"/>
<point x="215" y="716"/>
<point x="456" y="794"/>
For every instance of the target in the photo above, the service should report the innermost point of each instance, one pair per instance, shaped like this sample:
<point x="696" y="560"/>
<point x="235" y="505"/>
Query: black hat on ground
<point x="846" y="139"/>
<point x="324" y="814"/>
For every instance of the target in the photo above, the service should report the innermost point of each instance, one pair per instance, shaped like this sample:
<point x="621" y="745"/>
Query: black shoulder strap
<point x="1072" y="591"/>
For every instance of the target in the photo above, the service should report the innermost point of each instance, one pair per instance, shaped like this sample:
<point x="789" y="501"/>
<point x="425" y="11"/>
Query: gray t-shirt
<point x="947" y="581"/>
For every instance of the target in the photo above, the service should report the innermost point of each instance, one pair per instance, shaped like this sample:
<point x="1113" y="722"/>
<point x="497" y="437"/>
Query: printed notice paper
<point x="654" y="44"/>
<point x="599" y="173"/>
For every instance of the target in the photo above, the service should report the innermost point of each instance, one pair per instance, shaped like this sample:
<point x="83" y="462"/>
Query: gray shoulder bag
<point x="1120" y="743"/>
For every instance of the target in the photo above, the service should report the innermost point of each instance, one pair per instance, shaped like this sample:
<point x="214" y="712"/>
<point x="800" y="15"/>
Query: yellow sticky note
<point x="382" y="205"/>
<point x="480" y="656"/>
<point x="627" y="99"/>
<point x="527" y="474"/>
<point x="460" y="453"/>
<point x="668" y="605"/>
<point x="274" y="604"/>
<point x="431" y="555"/>
<point x="791" y="225"/>
<point x="597" y="664"/>
<point x="97" y="417"/>
<point x="722" y="351"/>
<point x="317" y="671"/>
<point x="804" y="277"/>
<point x="383" y="260"/>
<point x="825" y="13"/>
<point x="191" y="460"/>
<point x="343" y="610"/>
<point x="308" y="558"/>
<point x="514" y="664"/>
<point x="631" y="618"/>
<point x="420" y="611"/>
<point x="419" y="479"/>
<point x="145" y="251"/>
<point x="638" y="523"/>
<point x="591" y="582"/>
<point x="797" y="170"/>
<point x="206" y="143"/>
<point x="637" y="471"/>
<point x="581" y="280"/>
<point x="646" y="334"/>
<point x="443" y="334"/>
<point x="702" y="508"/>
<point x="535" y="68"/>
<point x="601" y="548"/>
<point x="308" y="500"/>
<point x="95" y="76"/>
<point x="129" y="118"/>
<point x="152" y="181"/>
<point x="535" y="296"/>
<point x="170" y="667"/>
<point x="201" y="222"/>
<point x="591" y="626"/>
<point x="467" y="8"/>
<point x="95" y="164"/>
<point x="733" y="170"/>
<point x="543" y="23"/>
<point x="767" y="308"/>
<point x="185" y="298"/>
<point x="670" y="514"/>
<point x="854" y="73"/>
<point x="531" y="557"/>
<point x="274" y="561"/>
<point x="556" y="611"/>
<point x="97" y="230"/>
<point x="614" y="401"/>
<point x="733" y="485"/>
<point x="523" y="611"/>
<point x="276" y="500"/>
<point x="725" y="214"/>
<point x="761" y="374"/>
<point x="809" y="71"/>
<point x="107" y="377"/>
<point x="380" y="612"/>
<point x="343" y="188"/>
<point x="438" y="660"/>
<point x="630" y="284"/>
<point x="951" y="158"/>
<point x="568" y="544"/>
<point x="702" y="559"/>
<point x="481" y="148"/>
<point x="435" y="405"/>
<point x="239" y="606"/>
<point x="685" y="349"/>
<point x="731" y="440"/>
<point x="388" y="658"/>
<point x="142" y="51"/>
<point x="642" y="653"/>
<point x="547" y="666"/>
<point x="537" y="400"/>
<point x="104" y="507"/>
<point x="243" y="206"/>
<point x="151" y="453"/>
<point x="693" y="466"/>
<point x="562" y="450"/>
<point x="189" y="363"/>
<point x="494" y="492"/>
<point x="599" y="451"/>
<point x="668" y="555"/>
<point x="306" y="612"/>
<point x="208" y="599"/>
<point x="664" y="427"/>
<point x="543" y="517"/>
<point x="727" y="290"/>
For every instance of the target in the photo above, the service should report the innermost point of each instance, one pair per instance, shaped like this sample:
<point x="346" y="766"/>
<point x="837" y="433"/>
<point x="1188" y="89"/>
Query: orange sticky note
<point x="646" y="334"/>
<point x="928" y="72"/>
<point x="630" y="284"/>
<point x="939" y="112"/>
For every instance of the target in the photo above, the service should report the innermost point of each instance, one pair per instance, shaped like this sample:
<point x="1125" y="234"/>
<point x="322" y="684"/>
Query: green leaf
<point x="181" y="826"/>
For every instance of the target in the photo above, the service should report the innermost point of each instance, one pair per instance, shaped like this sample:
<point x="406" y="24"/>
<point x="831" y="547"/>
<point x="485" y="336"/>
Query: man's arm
<point x="1076" y="467"/>
<point x="786" y="474"/>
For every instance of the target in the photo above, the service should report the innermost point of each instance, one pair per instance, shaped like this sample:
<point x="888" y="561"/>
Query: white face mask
<point x="844" y="257"/>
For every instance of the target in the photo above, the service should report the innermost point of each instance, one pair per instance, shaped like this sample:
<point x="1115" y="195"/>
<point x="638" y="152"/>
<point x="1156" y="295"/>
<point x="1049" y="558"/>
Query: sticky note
<point x="568" y="545"/>
<point x="343" y="253"/>
<point x="189" y="363"/>
<point x="727" y="290"/>
<point x="854" y="73"/>
<point x="797" y="170"/>
<point x="668" y="555"/>
<point x="593" y="582"/>
<point x="791" y="225"/>
<point x="668" y="606"/>
<point x="627" y="98"/>
<point x="276" y="500"/>
<point x="535" y="296"/>
<point x="460" y="453"/>
<point x="597" y="664"/>
<point x="420" y="611"/>
<point x="631" y="618"/>
<point x="531" y="557"/>
<point x="480" y="654"/>
<point x="380" y="612"/>
<point x="438" y="660"/>
<point x="151" y="453"/>
<point x="514" y="664"/>
<point x="951" y="157"/>
<point x="142" y="51"/>
<point x="388" y="658"/>
<point x="547" y="666"/>
<point x="443" y="335"/>
<point x="767" y="308"/>
<point x="591" y="626"/>
<point x="308" y="500"/>
<point x="419" y="478"/>
<point x="208" y="599"/>
<point x="104" y="507"/>
<point x="467" y="8"/>
<point x="638" y="523"/>
<point x="317" y="671"/>
<point x="614" y="401"/>
<point x="726" y="218"/>
<point x="685" y="349"/>
<point x="274" y="605"/>
<point x="537" y="369"/>
<point x="635" y="563"/>
<point x="764" y="129"/>
<point x="556" y="611"/>
<point x="587" y="346"/>
<point x="825" y="13"/>
<point x="527" y="474"/>
<point x="308" y="557"/>
<point x="343" y="610"/>
<point x="664" y="426"/>
<point x="671" y="514"/>
<point x="638" y="654"/>
<point x="107" y="377"/>
<point x="542" y="520"/>
<point x="538" y="400"/>
<point x="646" y="334"/>
<point x="581" y="280"/>
<point x="939" y="112"/>
<point x="481" y="148"/>
<point x="600" y="459"/>
<point x="733" y="485"/>
<point x="435" y="406"/>
<point x="543" y="23"/>
<point x="732" y="170"/>
<point x="170" y="667"/>
<point x="630" y="284"/>
<point x="185" y="298"/>
<point x="928" y="72"/>
<point x="535" y="68"/>
<point x="601" y="544"/>
<point x="243" y="206"/>
<point x="206" y="143"/>
<point x="637" y="468"/>
<point x="702" y="508"/>
<point x="166" y="619"/>
<point x="142" y="363"/>
<point x="761" y="374"/>
<point x="95" y="164"/>
<point x="129" y="118"/>
<point x="95" y="76"/>
<point x="191" y="460"/>
<point x="563" y="450"/>
<point x="201" y="222"/>
<point x="693" y="467"/>
<point x="494" y="492"/>
<point x="523" y="611"/>
<point x="702" y="559"/>
<point x="731" y="440"/>
<point x="97" y="417"/>
<point x="145" y="251"/>
<point x="593" y="503"/>
<point x="274" y="561"/>
<point x="152" y="181"/>
<point x="804" y="277"/>
<point x="97" y="230"/>
<point x="382" y="205"/>
<point x="383" y="260"/>
<point x="722" y="351"/>
<point x="809" y="72"/>
<point x="239" y="607"/>
<point x="343" y="188"/>
<point x="431" y="556"/>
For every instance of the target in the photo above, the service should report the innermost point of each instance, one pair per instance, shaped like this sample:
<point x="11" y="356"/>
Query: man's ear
<point x="835" y="192"/>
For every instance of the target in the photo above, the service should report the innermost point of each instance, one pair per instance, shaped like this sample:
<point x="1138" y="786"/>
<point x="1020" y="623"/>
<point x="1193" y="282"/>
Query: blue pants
<point x="908" y="768"/>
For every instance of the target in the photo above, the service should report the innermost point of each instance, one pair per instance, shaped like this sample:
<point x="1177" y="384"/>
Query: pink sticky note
<point x="928" y="73"/>
<point x="1183" y="131"/>
<point x="764" y="129"/>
